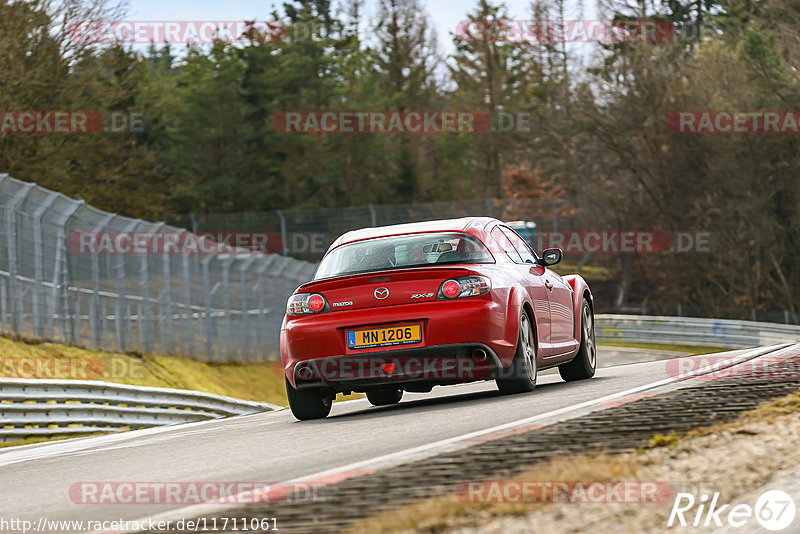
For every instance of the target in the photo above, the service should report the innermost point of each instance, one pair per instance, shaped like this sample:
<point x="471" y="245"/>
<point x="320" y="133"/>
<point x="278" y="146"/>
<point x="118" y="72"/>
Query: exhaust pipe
<point x="479" y="354"/>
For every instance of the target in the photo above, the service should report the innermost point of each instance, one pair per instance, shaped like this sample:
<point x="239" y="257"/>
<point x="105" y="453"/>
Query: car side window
<point x="520" y="245"/>
<point x="505" y="243"/>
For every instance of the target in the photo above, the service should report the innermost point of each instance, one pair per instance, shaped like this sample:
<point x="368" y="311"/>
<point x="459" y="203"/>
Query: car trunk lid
<point x="373" y="290"/>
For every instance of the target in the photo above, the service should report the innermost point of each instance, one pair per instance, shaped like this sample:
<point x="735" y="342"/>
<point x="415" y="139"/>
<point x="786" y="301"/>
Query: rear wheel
<point x="584" y="364"/>
<point x="520" y="377"/>
<point x="384" y="397"/>
<point x="308" y="403"/>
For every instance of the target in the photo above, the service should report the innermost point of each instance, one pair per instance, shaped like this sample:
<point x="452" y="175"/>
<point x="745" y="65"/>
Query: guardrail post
<point x="61" y="275"/>
<point x="285" y="247"/>
<point x="121" y="327"/>
<point x="76" y="323"/>
<point x="94" y="308"/>
<point x="38" y="265"/>
<point x="60" y="295"/>
<point x="13" y="265"/>
<point x="4" y="301"/>
<point x="244" y="337"/>
<point x="139" y="325"/>
<point x="226" y="301"/>
<point x="207" y="321"/>
<point x="264" y="313"/>
<point x="373" y="215"/>
<point x="146" y="324"/>
<point x="103" y="323"/>
<point x="166" y="322"/>
<point x="279" y="294"/>
<point x="187" y="334"/>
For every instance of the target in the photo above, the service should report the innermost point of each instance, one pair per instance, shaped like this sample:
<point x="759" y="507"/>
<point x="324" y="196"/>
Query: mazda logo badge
<point x="381" y="293"/>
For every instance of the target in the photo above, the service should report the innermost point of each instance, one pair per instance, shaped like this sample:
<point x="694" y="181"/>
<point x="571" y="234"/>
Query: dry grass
<point x="770" y="410"/>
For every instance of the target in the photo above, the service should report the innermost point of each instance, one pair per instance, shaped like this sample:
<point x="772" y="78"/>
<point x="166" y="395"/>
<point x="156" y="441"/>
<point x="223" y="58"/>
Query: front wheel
<point x="308" y="403"/>
<point x="520" y="377"/>
<point x="584" y="364"/>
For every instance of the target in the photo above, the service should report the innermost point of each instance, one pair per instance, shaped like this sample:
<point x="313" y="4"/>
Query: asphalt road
<point x="274" y="447"/>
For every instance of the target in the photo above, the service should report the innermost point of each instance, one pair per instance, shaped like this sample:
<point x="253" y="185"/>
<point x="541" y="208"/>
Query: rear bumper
<point x="433" y="365"/>
<point x="451" y="330"/>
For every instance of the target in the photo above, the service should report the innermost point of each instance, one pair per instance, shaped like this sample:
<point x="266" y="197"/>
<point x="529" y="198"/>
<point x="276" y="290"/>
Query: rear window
<point x="416" y="250"/>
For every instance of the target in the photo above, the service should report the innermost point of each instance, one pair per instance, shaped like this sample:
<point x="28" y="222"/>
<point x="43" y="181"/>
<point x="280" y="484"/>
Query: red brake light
<point x="465" y="286"/>
<point x="304" y="303"/>
<point x="451" y="289"/>
<point x="316" y="303"/>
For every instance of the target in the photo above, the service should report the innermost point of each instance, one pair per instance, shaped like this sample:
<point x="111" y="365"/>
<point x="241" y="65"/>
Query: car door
<point x="559" y="296"/>
<point x="562" y="314"/>
<point x="534" y="286"/>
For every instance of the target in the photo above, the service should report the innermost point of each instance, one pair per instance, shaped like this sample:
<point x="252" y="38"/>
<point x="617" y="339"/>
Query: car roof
<point x="443" y="225"/>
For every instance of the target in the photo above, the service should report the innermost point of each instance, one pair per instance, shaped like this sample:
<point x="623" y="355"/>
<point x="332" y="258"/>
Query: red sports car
<point x="408" y="307"/>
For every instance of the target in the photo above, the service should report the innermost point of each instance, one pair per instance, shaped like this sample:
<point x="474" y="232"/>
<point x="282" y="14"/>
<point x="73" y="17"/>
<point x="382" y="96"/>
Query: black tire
<point x="584" y="364"/>
<point x="520" y="376"/>
<point x="384" y="397"/>
<point x="308" y="403"/>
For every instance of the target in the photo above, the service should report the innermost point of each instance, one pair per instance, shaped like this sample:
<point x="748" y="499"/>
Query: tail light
<point x="451" y="289"/>
<point x="465" y="286"/>
<point x="306" y="303"/>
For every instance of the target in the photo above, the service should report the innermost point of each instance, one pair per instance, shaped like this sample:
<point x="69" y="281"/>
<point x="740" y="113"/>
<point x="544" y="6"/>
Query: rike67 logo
<point x="774" y="510"/>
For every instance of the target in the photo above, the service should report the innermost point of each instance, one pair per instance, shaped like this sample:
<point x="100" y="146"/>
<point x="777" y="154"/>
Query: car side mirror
<point x="551" y="256"/>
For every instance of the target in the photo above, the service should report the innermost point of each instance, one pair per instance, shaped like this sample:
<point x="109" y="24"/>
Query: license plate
<point x="382" y="337"/>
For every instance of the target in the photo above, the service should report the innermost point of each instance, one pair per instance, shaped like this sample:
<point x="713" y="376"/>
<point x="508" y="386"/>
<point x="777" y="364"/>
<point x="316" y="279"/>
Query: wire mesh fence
<point x="218" y="307"/>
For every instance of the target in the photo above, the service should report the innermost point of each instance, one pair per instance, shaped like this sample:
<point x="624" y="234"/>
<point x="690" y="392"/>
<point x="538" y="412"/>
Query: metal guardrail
<point x="692" y="331"/>
<point x="47" y="408"/>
